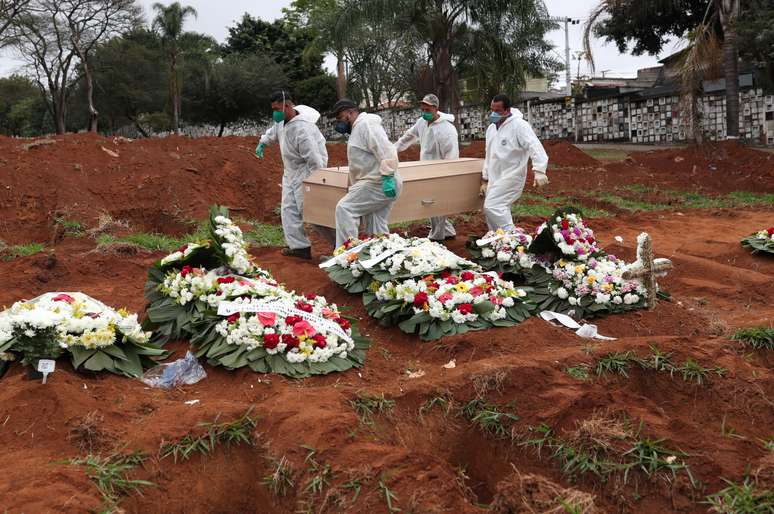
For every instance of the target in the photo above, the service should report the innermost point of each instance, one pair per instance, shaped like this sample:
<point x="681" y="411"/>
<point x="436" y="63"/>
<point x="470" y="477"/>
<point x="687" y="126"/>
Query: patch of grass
<point x="70" y="226"/>
<point x="150" y="241"/>
<point x="757" y="338"/>
<point x="489" y="418"/>
<point x="23" y="250"/>
<point x="659" y="360"/>
<point x="401" y="225"/>
<point x="692" y="371"/>
<point x="617" y="362"/>
<point x="745" y="198"/>
<point x="638" y="188"/>
<point x="742" y="498"/>
<point x="110" y="475"/>
<point x="573" y="459"/>
<point x="264" y="234"/>
<point x="389" y="496"/>
<point x="768" y="444"/>
<point x="606" y="154"/>
<point x="484" y="383"/>
<point x="321" y="475"/>
<point x="444" y="401"/>
<point x="528" y="209"/>
<point x="579" y="372"/>
<point x="280" y="480"/>
<point x="632" y="205"/>
<point x="233" y="432"/>
<point x="650" y="457"/>
<point x="366" y="406"/>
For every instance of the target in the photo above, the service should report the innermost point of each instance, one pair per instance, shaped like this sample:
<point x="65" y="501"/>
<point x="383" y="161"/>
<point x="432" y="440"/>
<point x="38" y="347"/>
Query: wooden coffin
<point x="430" y="188"/>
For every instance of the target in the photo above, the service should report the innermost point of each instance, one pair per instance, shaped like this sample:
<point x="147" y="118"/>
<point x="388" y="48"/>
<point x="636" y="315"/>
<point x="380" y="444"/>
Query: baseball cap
<point x="431" y="99"/>
<point x="341" y="105"/>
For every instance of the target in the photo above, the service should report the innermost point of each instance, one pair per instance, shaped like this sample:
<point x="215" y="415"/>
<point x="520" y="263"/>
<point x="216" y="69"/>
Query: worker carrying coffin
<point x="510" y="143"/>
<point x="438" y="140"/>
<point x="374" y="182"/>
<point x="303" y="151"/>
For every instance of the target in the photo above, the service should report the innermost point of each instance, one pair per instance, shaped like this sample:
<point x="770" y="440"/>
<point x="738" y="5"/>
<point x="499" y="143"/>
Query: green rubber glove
<point x="259" y="150"/>
<point x="388" y="186"/>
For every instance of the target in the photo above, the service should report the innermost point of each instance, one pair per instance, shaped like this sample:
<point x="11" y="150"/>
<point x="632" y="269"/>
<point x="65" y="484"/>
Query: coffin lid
<point x="409" y="171"/>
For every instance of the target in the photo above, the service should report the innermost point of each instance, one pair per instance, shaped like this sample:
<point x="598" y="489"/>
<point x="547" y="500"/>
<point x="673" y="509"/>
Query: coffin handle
<point x="428" y="202"/>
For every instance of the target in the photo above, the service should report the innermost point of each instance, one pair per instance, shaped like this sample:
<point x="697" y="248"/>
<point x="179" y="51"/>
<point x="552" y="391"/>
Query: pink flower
<point x="64" y="298"/>
<point x="267" y="319"/>
<point x="476" y="291"/>
<point x="445" y="297"/>
<point x="329" y="313"/>
<point x="303" y="328"/>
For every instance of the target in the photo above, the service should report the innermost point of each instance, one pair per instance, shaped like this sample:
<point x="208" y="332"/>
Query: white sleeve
<point x="449" y="143"/>
<point x="315" y="156"/>
<point x="270" y="136"/>
<point x="409" y="137"/>
<point x="385" y="152"/>
<point x="484" y="172"/>
<point x="532" y="144"/>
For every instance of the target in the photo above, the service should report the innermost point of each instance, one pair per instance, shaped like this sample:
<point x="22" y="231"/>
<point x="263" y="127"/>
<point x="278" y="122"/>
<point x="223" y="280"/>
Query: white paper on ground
<point x="586" y="331"/>
<point x="356" y="249"/>
<point x="482" y="242"/>
<point x="373" y="261"/>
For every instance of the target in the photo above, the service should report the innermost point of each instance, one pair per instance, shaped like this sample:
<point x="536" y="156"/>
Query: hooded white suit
<point x="437" y="140"/>
<point x="302" y="146"/>
<point x="508" y="149"/>
<point x="370" y="155"/>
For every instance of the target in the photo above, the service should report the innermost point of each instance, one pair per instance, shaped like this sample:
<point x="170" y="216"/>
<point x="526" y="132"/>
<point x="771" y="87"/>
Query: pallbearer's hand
<point x="541" y="179"/>
<point x="259" y="150"/>
<point x="482" y="190"/>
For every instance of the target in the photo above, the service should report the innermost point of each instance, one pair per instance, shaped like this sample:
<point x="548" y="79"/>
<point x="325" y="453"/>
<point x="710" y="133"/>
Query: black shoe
<point x="301" y="253"/>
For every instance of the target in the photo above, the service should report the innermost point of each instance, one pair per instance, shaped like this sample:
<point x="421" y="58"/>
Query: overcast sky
<point x="215" y="16"/>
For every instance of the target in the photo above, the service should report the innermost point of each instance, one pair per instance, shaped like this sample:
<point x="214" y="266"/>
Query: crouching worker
<point x="510" y="143"/>
<point x="374" y="182"/>
<point x="438" y="140"/>
<point x="303" y="151"/>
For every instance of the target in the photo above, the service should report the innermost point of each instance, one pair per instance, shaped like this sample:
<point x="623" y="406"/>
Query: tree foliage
<point x="22" y="107"/>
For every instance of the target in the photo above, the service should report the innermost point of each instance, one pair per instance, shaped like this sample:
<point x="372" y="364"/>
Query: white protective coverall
<point x="302" y="146"/>
<point x="508" y="148"/>
<point x="371" y="155"/>
<point x="437" y="140"/>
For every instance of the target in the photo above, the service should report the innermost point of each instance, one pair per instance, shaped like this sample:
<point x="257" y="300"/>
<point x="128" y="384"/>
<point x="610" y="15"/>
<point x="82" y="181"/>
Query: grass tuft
<point x="389" y="496"/>
<point x="757" y="338"/>
<point x="280" y="480"/>
<point x="579" y="372"/>
<point x="10" y="253"/>
<point x="110" y="475"/>
<point x="366" y="406"/>
<point x="742" y="498"/>
<point x="489" y="418"/>
<point x="617" y="362"/>
<point x="233" y="432"/>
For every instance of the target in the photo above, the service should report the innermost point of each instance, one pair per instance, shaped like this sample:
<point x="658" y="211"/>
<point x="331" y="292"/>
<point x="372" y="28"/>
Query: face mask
<point x="342" y="127"/>
<point x="278" y="116"/>
<point x="427" y="116"/>
<point x="495" y="117"/>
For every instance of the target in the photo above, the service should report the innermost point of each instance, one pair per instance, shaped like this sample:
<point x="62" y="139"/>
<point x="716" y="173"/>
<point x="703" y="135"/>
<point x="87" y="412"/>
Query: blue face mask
<point x="495" y="117"/>
<point x="342" y="127"/>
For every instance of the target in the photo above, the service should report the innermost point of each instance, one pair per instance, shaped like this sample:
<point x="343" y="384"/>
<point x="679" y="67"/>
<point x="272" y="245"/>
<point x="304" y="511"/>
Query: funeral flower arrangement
<point x="761" y="241"/>
<point x="97" y="337"/>
<point x="567" y="233"/>
<point x="389" y="257"/>
<point x="237" y="315"/>
<point x="568" y="269"/>
<point x="448" y="303"/>
<point x="505" y="251"/>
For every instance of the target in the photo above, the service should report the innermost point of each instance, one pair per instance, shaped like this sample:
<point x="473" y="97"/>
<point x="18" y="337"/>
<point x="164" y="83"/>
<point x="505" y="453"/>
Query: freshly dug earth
<point x="429" y="460"/>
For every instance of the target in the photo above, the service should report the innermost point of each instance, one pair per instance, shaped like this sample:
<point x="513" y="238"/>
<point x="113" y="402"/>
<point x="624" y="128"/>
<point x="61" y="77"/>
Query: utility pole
<point x="567" y="22"/>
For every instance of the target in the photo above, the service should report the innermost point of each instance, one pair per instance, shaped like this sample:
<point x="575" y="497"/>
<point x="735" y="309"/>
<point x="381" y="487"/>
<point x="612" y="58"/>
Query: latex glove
<point x="482" y="191"/>
<point x="541" y="179"/>
<point x="388" y="186"/>
<point x="259" y="150"/>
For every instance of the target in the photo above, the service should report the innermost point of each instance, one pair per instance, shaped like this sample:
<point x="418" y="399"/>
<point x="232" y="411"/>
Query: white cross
<point x="646" y="268"/>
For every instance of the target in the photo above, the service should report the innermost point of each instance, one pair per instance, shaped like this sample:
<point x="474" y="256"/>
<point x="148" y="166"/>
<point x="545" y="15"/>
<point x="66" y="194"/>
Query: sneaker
<point x="301" y="253"/>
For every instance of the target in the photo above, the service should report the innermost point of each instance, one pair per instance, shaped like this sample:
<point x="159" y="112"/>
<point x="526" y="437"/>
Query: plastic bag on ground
<point x="185" y="371"/>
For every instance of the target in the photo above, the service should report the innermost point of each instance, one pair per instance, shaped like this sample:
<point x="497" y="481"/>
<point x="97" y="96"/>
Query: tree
<point x="9" y="11"/>
<point x="441" y="24"/>
<point x="22" y="107"/>
<point x="127" y="79"/>
<point x="233" y="88"/>
<point x="756" y="36"/>
<point x="318" y="91"/>
<point x="709" y="25"/>
<point x="169" y="22"/>
<point x="280" y="40"/>
<point x="41" y="36"/>
<point x="90" y="22"/>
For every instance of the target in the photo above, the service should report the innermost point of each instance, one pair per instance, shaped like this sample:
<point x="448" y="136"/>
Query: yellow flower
<point x="462" y="287"/>
<point x="520" y="249"/>
<point x="123" y="312"/>
<point x="499" y="231"/>
<point x="562" y="262"/>
<point x="591" y="279"/>
<point x="580" y="268"/>
<point x="607" y="288"/>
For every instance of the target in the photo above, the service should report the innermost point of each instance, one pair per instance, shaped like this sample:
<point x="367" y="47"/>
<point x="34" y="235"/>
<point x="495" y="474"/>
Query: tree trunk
<point x="59" y="108"/>
<point x="173" y="90"/>
<point x="137" y="125"/>
<point x="442" y="74"/>
<point x="93" y="113"/>
<point x="341" y="78"/>
<point x="729" y="12"/>
<point x="222" y="127"/>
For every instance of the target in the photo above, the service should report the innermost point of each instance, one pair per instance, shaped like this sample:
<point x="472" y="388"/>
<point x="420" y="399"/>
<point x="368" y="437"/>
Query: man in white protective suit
<point x="374" y="182"/>
<point x="510" y="143"/>
<point x="303" y="151"/>
<point x="438" y="140"/>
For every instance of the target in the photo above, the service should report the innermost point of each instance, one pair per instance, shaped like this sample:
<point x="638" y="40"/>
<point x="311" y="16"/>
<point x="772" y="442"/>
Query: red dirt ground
<point x="431" y="462"/>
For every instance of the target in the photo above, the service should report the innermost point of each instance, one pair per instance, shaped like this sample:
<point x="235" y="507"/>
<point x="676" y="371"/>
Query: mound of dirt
<point x="526" y="494"/>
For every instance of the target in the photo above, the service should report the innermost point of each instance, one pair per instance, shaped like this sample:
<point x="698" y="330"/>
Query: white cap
<point x="431" y="99"/>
